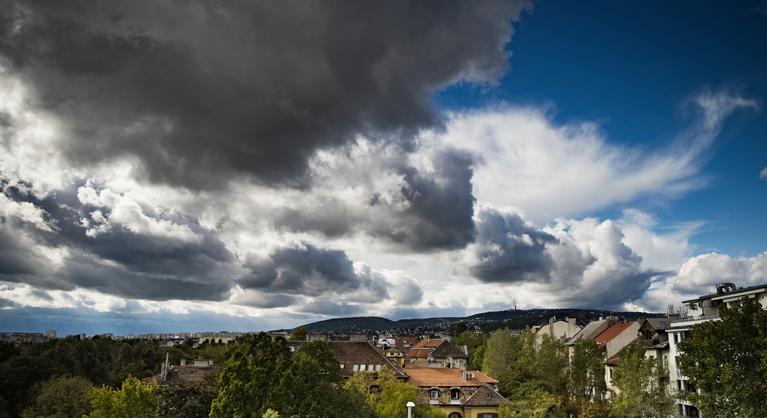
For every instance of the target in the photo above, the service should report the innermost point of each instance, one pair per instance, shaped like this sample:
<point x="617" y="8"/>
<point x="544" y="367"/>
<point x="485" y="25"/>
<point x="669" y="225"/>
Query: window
<point x="455" y="394"/>
<point x="434" y="394"/>
<point x="378" y="367"/>
<point x="692" y="411"/>
<point x="679" y="386"/>
<point x="454" y="415"/>
<point x="371" y="367"/>
<point x="681" y="409"/>
<point x="488" y="415"/>
<point x="341" y="365"/>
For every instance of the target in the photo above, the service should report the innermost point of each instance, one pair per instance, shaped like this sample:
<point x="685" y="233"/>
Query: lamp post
<point x="410" y="405"/>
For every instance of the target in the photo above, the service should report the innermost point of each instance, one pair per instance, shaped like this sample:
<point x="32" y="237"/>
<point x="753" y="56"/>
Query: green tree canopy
<point x="641" y="385"/>
<point x="132" y="400"/>
<point x="586" y="379"/>
<point x="263" y="374"/>
<point x="298" y="334"/>
<point x="61" y="397"/>
<point x="727" y="359"/>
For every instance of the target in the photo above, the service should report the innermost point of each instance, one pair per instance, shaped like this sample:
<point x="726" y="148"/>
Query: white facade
<point x="703" y="309"/>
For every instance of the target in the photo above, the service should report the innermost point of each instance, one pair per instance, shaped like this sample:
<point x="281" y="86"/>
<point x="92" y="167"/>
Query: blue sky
<point x="286" y="168"/>
<point x="630" y="66"/>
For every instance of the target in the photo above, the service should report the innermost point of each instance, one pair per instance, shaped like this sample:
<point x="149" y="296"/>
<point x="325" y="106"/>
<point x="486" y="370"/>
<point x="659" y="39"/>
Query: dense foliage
<point x="586" y="375"/>
<point x="132" y="400"/>
<point x="61" y="397"/>
<point x="727" y="359"/>
<point x="262" y="374"/>
<point x="641" y="384"/>
<point x="101" y="361"/>
<point x="386" y="396"/>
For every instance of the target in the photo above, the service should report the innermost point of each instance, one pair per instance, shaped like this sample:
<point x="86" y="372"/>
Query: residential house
<point x="591" y="330"/>
<point x="559" y="330"/>
<point x="459" y="393"/>
<point x="614" y="339"/>
<point x="437" y="353"/>
<point x="362" y="356"/>
<point x="697" y="311"/>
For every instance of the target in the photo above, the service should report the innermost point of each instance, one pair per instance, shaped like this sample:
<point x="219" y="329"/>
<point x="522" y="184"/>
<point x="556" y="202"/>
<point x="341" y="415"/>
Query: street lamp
<point x="410" y="405"/>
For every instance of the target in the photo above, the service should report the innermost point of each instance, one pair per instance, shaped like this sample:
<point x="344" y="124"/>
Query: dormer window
<point x="455" y="394"/>
<point x="434" y="394"/>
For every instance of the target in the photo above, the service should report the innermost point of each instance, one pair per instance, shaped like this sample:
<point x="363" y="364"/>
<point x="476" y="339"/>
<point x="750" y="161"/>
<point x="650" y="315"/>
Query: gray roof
<point x="591" y="330"/>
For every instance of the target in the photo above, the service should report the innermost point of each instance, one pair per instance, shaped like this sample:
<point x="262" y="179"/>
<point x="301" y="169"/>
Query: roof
<point x="614" y="360"/>
<point x="424" y="348"/>
<point x="591" y="330"/>
<point x="484" y="396"/>
<point x="448" y="350"/>
<point x="350" y="353"/>
<point x="730" y="293"/>
<point x="659" y="323"/>
<point x="612" y="332"/>
<point x="430" y="343"/>
<point x="428" y="377"/>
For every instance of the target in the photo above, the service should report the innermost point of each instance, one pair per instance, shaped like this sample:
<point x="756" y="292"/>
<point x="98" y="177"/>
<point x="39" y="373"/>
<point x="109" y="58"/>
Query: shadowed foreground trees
<point x="727" y="359"/>
<point x="262" y="374"/>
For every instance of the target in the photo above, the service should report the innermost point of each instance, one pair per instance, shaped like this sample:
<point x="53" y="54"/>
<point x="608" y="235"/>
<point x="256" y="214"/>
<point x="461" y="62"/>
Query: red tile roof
<point x="428" y="377"/>
<point x="611" y="332"/>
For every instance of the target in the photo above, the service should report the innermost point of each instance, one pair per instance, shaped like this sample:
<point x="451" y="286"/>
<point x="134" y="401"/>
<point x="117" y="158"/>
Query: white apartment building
<point x="696" y="311"/>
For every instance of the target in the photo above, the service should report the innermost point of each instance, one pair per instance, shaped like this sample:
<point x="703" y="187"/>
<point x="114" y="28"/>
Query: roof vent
<point x="725" y="287"/>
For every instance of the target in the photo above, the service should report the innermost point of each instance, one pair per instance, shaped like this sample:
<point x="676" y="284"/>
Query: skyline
<point x="252" y="167"/>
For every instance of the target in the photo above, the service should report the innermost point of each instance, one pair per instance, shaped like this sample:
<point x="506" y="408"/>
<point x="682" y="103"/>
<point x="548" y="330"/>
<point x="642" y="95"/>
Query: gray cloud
<point x="311" y="271"/>
<point x="202" y="92"/>
<point x="120" y="261"/>
<point x="432" y="210"/>
<point x="509" y="250"/>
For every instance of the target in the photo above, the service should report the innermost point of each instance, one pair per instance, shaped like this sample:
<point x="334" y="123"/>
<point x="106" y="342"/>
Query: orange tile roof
<point x="430" y="343"/>
<point x="428" y="377"/>
<point x="611" y="332"/>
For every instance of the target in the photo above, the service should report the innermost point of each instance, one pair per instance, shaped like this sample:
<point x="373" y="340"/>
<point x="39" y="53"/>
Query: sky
<point x="242" y="166"/>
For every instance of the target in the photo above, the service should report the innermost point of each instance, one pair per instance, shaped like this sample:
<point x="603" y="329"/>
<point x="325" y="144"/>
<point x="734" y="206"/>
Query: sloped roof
<point x="423" y="348"/>
<point x="484" y="396"/>
<point x="349" y="353"/>
<point x="448" y="350"/>
<point x="591" y="330"/>
<point x="428" y="377"/>
<point x="612" y="332"/>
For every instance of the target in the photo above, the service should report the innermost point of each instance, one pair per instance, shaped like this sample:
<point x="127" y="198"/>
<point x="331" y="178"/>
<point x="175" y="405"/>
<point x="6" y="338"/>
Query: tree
<point x="459" y="329"/>
<point x="641" y="385"/>
<point x="132" y="400"/>
<point x="61" y="397"/>
<point x="727" y="359"/>
<point x="586" y="378"/>
<point x="298" y="334"/>
<point x="500" y="353"/>
<point x="387" y="396"/>
<point x="262" y="374"/>
<point x="185" y="401"/>
<point x="537" y="404"/>
<point x="247" y="378"/>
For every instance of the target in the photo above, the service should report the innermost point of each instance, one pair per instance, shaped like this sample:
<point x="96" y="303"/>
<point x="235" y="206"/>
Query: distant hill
<point x="512" y="318"/>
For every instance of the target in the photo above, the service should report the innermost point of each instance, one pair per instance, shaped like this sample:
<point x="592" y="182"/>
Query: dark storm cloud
<point x="508" y="250"/>
<point x="205" y="91"/>
<point x="311" y="271"/>
<point x="331" y="308"/>
<point x="432" y="211"/>
<point x="440" y="205"/>
<point x="116" y="260"/>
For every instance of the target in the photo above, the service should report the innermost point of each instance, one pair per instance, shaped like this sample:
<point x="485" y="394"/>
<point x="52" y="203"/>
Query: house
<point x="591" y="330"/>
<point x="459" y="393"/>
<point x="618" y="336"/>
<point x="697" y="311"/>
<point x="559" y="330"/>
<point x="362" y="356"/>
<point x="437" y="353"/>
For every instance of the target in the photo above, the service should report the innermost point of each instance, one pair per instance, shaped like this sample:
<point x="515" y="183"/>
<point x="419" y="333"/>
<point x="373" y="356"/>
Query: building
<point x="591" y="330"/>
<point x="697" y="311"/>
<point x="437" y="353"/>
<point x="559" y="330"/>
<point x="614" y="339"/>
<point x="362" y="356"/>
<point x="459" y="393"/>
